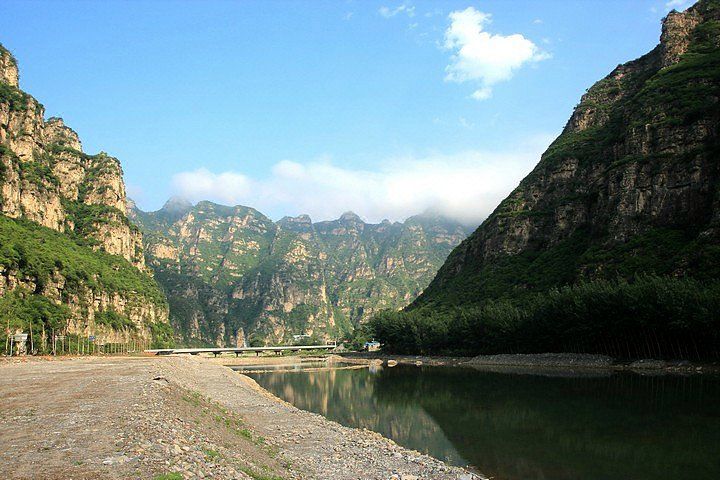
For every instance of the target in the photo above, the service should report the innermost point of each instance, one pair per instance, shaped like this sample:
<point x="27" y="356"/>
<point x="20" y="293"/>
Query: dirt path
<point x="63" y="419"/>
<point x="149" y="417"/>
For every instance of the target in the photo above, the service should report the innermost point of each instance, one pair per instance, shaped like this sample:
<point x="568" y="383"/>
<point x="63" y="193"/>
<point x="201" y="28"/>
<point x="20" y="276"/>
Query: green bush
<point x="38" y="252"/>
<point x="162" y="335"/>
<point x="114" y="320"/>
<point x="14" y="97"/>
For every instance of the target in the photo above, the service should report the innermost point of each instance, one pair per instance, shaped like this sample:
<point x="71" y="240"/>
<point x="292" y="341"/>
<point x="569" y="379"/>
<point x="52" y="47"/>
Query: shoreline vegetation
<point x="648" y="317"/>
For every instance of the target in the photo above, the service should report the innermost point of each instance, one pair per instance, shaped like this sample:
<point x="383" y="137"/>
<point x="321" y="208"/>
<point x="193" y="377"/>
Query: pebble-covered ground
<point x="178" y="418"/>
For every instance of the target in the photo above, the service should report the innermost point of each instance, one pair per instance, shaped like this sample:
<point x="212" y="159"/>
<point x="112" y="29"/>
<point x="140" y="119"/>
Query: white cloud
<point x="466" y="186"/>
<point x="483" y="57"/>
<point x="465" y="123"/>
<point x="405" y="8"/>
<point x="224" y="187"/>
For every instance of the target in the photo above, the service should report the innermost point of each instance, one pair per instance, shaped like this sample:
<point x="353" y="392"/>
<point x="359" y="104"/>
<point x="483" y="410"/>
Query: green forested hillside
<point x="43" y="273"/>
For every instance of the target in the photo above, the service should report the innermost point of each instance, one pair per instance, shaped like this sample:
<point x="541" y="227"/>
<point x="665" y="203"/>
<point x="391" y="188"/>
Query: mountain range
<point x="232" y="275"/>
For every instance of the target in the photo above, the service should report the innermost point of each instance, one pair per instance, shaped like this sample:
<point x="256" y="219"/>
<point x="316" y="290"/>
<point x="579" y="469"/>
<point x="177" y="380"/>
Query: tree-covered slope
<point x="631" y="187"/>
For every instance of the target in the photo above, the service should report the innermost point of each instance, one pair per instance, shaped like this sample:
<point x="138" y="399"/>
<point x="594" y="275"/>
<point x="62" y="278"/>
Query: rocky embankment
<point x="148" y="417"/>
<point x="535" y="363"/>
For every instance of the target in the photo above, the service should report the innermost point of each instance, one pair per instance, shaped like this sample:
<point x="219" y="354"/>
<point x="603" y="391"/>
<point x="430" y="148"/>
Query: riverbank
<point x="541" y="362"/>
<point x="181" y="417"/>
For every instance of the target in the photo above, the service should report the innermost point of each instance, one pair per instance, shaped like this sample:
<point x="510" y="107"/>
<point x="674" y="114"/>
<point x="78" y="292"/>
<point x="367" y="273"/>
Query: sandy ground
<point x="124" y="418"/>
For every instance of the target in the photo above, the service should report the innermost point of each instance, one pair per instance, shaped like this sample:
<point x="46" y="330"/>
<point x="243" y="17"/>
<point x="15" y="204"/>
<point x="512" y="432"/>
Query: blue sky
<point x="320" y="107"/>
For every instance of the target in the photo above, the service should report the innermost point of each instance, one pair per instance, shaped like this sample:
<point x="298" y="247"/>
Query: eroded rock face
<point x="8" y="68"/>
<point x="637" y="166"/>
<point x="46" y="178"/>
<point x="230" y="269"/>
<point x="676" y="35"/>
<point x="56" y="132"/>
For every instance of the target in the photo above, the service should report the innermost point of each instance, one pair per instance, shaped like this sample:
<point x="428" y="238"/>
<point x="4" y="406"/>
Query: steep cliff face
<point x="46" y="179"/>
<point x="630" y="186"/>
<point x="232" y="269"/>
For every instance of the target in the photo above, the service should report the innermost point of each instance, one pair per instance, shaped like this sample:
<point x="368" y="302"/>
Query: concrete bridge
<point x="238" y="350"/>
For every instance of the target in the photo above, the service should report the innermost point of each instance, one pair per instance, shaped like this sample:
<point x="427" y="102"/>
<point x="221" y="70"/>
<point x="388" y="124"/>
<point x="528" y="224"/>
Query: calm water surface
<point x="526" y="426"/>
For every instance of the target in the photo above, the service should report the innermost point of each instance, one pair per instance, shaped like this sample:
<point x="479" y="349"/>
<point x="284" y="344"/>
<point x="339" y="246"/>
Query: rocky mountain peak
<point x="177" y="206"/>
<point x="675" y="38"/>
<point x="56" y="132"/>
<point x="8" y="68"/>
<point x="350" y="217"/>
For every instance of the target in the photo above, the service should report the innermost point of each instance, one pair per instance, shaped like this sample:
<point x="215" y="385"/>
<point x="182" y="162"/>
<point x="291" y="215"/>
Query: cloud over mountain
<point x="466" y="186"/>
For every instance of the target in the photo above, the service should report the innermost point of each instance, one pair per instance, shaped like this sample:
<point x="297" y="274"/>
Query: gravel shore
<point x="178" y="417"/>
<point x="540" y="363"/>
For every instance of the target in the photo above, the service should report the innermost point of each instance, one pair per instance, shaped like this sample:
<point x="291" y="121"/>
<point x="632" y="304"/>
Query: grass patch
<point x="211" y="454"/>
<point x="169" y="476"/>
<point x="259" y="475"/>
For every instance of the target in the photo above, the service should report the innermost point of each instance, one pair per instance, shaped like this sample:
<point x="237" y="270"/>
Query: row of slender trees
<point x="69" y="344"/>
<point x="648" y="317"/>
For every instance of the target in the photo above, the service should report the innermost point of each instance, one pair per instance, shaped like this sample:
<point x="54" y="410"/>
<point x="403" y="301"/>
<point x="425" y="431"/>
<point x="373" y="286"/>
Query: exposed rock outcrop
<point x="48" y="179"/>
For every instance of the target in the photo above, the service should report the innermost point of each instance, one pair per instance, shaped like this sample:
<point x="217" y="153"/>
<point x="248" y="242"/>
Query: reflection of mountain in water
<point x="535" y="427"/>
<point x="349" y="397"/>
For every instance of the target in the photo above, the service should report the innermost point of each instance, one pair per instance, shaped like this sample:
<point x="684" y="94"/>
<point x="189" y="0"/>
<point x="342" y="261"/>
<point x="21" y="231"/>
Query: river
<point x="511" y="426"/>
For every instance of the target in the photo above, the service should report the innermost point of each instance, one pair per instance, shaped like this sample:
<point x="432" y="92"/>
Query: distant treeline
<point x="648" y="317"/>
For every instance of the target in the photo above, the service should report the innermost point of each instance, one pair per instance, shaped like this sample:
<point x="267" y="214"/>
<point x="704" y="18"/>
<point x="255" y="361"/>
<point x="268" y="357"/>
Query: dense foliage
<point x="656" y="317"/>
<point x="114" y="320"/>
<point x="33" y="314"/>
<point x="15" y="98"/>
<point x="162" y="335"/>
<point x="38" y="252"/>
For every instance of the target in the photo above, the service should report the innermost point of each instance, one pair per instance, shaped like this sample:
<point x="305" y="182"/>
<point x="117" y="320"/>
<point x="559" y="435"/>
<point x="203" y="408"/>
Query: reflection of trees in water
<point x="527" y="427"/>
<point x="532" y="427"/>
<point x="348" y="397"/>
